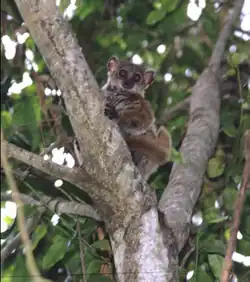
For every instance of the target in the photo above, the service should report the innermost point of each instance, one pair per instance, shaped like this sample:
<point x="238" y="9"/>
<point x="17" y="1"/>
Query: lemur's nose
<point x="128" y="84"/>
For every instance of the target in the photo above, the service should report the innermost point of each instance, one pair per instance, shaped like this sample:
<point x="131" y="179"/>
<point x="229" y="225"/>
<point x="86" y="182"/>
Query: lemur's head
<point x="125" y="75"/>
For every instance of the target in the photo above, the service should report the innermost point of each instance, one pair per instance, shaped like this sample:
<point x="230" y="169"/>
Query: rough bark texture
<point x="182" y="192"/>
<point x="59" y="206"/>
<point x="75" y="176"/>
<point x="126" y="203"/>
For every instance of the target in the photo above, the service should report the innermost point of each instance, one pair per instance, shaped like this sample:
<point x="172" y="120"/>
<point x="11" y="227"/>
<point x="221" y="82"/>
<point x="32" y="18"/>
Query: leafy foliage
<point x="33" y="121"/>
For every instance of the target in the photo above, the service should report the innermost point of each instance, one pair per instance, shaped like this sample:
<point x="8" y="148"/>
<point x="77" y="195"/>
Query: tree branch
<point x="72" y="175"/>
<point x="81" y="246"/>
<point x="170" y="113"/>
<point x="183" y="189"/>
<point x="125" y="201"/>
<point x="12" y="245"/>
<point x="227" y="266"/>
<point x="220" y="46"/>
<point x="58" y="206"/>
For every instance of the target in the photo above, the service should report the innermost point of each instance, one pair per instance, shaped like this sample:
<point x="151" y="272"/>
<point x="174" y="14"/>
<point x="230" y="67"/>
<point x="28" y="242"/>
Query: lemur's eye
<point x="123" y="73"/>
<point x="137" y="77"/>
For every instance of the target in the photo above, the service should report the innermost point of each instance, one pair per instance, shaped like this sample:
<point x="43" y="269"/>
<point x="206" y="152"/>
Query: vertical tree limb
<point x="227" y="266"/>
<point x="183" y="189"/>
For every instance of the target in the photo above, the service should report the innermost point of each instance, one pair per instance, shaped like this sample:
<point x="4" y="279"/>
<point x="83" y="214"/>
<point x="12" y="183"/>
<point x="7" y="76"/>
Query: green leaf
<point x="211" y="215"/>
<point x="7" y="274"/>
<point x="217" y="219"/>
<point x="88" y="7"/>
<point x="216" y="167"/>
<point x="228" y="116"/>
<point x="99" y="278"/>
<point x="237" y="58"/>
<point x="158" y="182"/>
<point x="155" y="16"/>
<point x="55" y="252"/>
<point x="195" y="46"/>
<point x="201" y="275"/>
<point x="94" y="267"/>
<point x="10" y="229"/>
<point x="38" y="234"/>
<point x="9" y="220"/>
<point x="245" y="219"/>
<point x="102" y="244"/>
<point x="27" y="116"/>
<point x="213" y="246"/>
<point x="216" y="262"/>
<point x="230" y="72"/>
<point x="230" y="131"/>
<point x="229" y="196"/>
<point x="20" y="272"/>
<point x="244" y="247"/>
<point x="6" y="119"/>
<point x="227" y="234"/>
<point x="169" y="5"/>
<point x="208" y="202"/>
<point x="176" y="156"/>
<point x="12" y="10"/>
<point x="63" y="5"/>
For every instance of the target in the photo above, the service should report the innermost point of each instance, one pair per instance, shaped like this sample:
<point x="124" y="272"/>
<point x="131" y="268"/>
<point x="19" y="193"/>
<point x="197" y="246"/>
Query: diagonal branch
<point x="72" y="175"/>
<point x="225" y="33"/>
<point x="13" y="244"/>
<point x="58" y="205"/>
<point x="183" y="189"/>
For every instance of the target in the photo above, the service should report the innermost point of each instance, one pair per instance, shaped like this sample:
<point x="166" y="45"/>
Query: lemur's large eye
<point x="123" y="73"/>
<point x="137" y="77"/>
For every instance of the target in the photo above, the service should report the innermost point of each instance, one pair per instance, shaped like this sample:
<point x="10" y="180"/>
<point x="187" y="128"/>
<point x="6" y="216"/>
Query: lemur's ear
<point x="149" y="76"/>
<point x="112" y="63"/>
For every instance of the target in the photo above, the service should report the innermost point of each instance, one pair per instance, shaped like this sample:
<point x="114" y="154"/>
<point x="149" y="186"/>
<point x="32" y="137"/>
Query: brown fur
<point x="125" y="103"/>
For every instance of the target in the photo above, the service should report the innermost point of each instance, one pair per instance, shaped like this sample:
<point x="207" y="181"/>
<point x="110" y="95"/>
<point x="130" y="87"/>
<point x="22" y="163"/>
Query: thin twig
<point x="16" y="241"/>
<point x="186" y="257"/>
<point x="81" y="252"/>
<point x="227" y="266"/>
<point x="30" y="260"/>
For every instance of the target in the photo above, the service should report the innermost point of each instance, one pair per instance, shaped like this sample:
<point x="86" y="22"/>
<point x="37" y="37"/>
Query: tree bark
<point x="180" y="196"/>
<point x="72" y="175"/>
<point x="144" y="250"/>
<point x="57" y="205"/>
